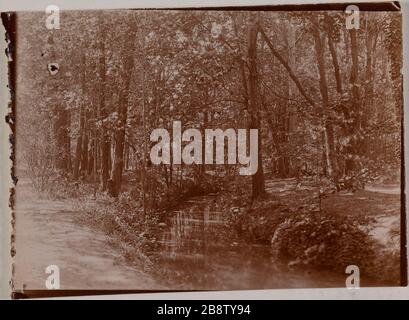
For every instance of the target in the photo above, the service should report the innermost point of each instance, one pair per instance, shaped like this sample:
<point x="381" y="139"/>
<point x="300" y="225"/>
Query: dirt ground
<point x="48" y="235"/>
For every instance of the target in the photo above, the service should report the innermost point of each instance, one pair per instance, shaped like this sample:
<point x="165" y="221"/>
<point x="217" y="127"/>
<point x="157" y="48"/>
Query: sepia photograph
<point x="207" y="149"/>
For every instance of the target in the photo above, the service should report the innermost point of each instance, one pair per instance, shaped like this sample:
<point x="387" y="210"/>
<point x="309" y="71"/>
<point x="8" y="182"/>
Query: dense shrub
<point x="256" y="221"/>
<point x="324" y="240"/>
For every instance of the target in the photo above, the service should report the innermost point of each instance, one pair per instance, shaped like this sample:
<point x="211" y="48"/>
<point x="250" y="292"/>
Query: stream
<point x="199" y="251"/>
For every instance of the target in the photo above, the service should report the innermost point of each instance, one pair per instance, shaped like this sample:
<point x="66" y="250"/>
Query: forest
<point x="326" y="101"/>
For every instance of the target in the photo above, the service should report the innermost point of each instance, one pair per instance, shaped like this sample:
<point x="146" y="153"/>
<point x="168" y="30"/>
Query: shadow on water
<point x="200" y="252"/>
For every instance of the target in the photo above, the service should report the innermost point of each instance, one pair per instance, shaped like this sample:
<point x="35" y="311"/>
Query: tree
<point x="258" y="188"/>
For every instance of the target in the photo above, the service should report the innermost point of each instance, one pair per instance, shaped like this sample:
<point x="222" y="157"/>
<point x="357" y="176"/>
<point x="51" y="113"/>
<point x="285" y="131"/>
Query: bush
<point x="324" y="240"/>
<point x="62" y="187"/>
<point x="256" y="221"/>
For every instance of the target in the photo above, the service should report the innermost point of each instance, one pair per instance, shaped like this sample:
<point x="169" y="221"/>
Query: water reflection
<point x="193" y="230"/>
<point x="200" y="252"/>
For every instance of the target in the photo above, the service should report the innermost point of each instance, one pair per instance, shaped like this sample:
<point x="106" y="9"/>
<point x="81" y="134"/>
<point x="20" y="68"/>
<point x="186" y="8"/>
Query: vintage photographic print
<point x="213" y="149"/>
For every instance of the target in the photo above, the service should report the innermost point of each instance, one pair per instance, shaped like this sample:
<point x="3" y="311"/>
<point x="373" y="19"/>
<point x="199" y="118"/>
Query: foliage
<point x="192" y="66"/>
<point x="332" y="242"/>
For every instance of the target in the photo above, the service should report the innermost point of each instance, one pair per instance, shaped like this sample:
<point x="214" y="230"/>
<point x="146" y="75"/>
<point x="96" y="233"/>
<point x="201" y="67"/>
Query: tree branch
<point x="286" y="66"/>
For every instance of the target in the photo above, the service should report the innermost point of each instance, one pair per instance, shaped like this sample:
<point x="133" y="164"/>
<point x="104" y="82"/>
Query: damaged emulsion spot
<point x="53" y="68"/>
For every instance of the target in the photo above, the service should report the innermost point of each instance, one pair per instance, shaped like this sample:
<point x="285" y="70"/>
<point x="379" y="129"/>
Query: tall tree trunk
<point x="91" y="154"/>
<point x="77" y="161"/>
<point x="103" y="110"/>
<point x="334" y="57"/>
<point x="328" y="131"/>
<point x="354" y="74"/>
<point x="68" y="143"/>
<point x="78" y="149"/>
<point x="61" y="124"/>
<point x="127" y="71"/>
<point x="258" y="188"/>
<point x="85" y="143"/>
<point x="354" y="114"/>
<point x="371" y="39"/>
<point x="63" y="142"/>
<point x="118" y="164"/>
<point x="291" y="119"/>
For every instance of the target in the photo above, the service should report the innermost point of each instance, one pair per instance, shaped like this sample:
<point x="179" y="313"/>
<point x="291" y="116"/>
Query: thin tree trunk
<point x="354" y="115"/>
<point x="335" y="62"/>
<point x="103" y="110"/>
<point x="63" y="143"/>
<point x="328" y="132"/>
<point x="118" y="164"/>
<point x="258" y="188"/>
<point x="78" y="149"/>
<point x="128" y="66"/>
<point x="85" y="143"/>
<point x="369" y="82"/>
